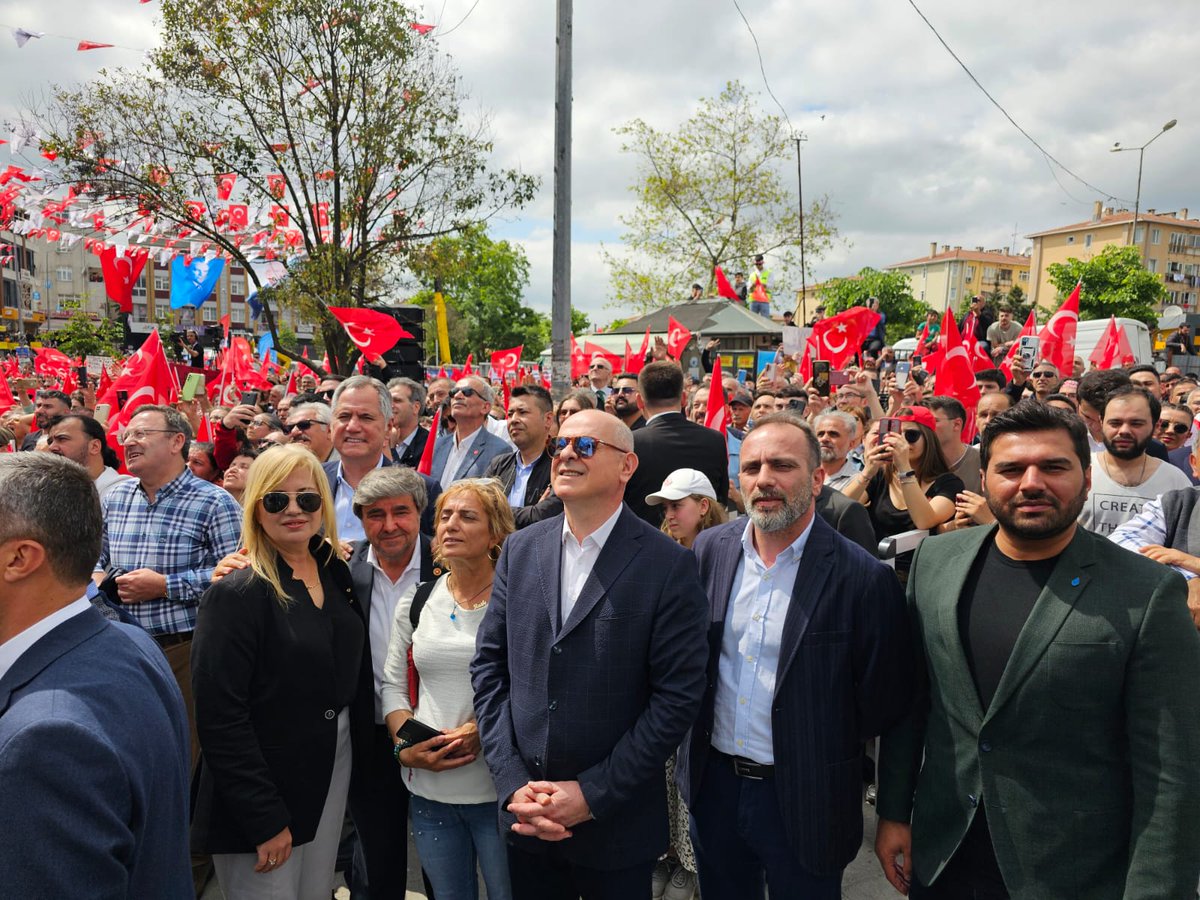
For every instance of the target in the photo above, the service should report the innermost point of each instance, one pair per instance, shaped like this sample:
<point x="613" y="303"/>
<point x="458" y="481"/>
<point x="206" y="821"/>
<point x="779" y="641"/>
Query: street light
<point x="1141" y="152"/>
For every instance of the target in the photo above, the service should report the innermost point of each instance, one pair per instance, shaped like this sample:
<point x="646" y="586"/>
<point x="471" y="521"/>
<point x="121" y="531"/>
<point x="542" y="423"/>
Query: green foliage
<point x="1114" y="284"/>
<point x="83" y="337"/>
<point x="357" y="115"/>
<point x="903" y="312"/>
<point x="483" y="282"/>
<point x="580" y="323"/>
<point x="713" y="193"/>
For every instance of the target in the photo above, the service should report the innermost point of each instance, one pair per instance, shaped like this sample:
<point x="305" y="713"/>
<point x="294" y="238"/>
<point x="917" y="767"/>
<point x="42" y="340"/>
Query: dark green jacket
<point x="1088" y="761"/>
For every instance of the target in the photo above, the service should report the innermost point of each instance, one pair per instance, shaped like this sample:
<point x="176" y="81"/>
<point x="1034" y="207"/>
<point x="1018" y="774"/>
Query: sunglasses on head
<point x="585" y="447"/>
<point x="465" y="391"/>
<point x="302" y="426"/>
<point x="1177" y="427"/>
<point x="276" y="502"/>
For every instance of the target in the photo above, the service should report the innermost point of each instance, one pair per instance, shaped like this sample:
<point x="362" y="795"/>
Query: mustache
<point x="767" y="494"/>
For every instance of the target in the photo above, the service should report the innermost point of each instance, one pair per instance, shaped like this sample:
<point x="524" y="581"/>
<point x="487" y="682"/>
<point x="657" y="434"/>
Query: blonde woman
<point x="453" y="803"/>
<point x="275" y="664"/>
<point x="689" y="504"/>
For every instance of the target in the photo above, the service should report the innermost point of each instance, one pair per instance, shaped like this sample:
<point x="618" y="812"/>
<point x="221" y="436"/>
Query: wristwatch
<point x="911" y="473"/>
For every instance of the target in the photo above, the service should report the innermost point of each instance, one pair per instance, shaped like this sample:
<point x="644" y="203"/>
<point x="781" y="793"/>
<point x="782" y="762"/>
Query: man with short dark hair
<point x="627" y="401"/>
<point x="990" y="381"/>
<point x="1003" y="333"/>
<point x="93" y="734"/>
<point x="963" y="460"/>
<point x="977" y="320"/>
<point x="82" y="440"/>
<point x="408" y="435"/>
<point x="524" y="475"/>
<point x="1146" y="376"/>
<point x="669" y="442"/>
<point x="764" y="405"/>
<point x="47" y="405"/>
<point x="1174" y="429"/>
<point x="1049" y="665"/>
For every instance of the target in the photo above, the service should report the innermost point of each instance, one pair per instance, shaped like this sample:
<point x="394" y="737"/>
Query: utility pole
<point x="800" y="138"/>
<point x="560" y="291"/>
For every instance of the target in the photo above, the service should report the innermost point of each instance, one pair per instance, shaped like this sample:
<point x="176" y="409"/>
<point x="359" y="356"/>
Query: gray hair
<point x="416" y="390"/>
<point x="624" y="436"/>
<point x="484" y="389"/>
<point x="358" y="382"/>
<point x="321" y="412"/>
<point x="387" y="482"/>
<point x="173" y="419"/>
<point x="837" y="415"/>
<point x="53" y="501"/>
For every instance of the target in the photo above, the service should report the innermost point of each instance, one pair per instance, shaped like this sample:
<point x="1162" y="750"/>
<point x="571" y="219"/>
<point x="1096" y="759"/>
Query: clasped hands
<point x="548" y="810"/>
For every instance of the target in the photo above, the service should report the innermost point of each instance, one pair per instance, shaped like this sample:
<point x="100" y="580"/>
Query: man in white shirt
<point x="82" y="440"/>
<point x="467" y="453"/>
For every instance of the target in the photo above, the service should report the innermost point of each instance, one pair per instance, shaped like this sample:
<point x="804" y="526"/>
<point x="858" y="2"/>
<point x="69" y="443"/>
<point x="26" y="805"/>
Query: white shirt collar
<point x="414" y="562"/>
<point x="341" y="472"/>
<point x="599" y="536"/>
<point x="12" y="649"/>
<point x="465" y="440"/>
<point x="791" y="553"/>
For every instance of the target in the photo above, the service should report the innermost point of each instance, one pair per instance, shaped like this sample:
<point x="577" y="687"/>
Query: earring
<point x="494" y="554"/>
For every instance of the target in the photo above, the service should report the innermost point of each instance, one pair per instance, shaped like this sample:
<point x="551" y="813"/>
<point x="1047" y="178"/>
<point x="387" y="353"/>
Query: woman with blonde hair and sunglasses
<point x="276" y="659"/>
<point x="453" y="803"/>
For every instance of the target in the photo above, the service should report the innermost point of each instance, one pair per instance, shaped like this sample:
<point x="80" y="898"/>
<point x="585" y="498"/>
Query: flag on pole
<point x="716" y="414"/>
<point x="956" y="377"/>
<point x="1058" y="335"/>
<point x="724" y="288"/>
<point x="425" y="466"/>
<point x="677" y="337"/>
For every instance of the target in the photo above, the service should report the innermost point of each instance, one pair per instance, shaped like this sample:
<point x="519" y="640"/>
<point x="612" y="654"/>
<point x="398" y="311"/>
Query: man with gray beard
<point x="809" y="659"/>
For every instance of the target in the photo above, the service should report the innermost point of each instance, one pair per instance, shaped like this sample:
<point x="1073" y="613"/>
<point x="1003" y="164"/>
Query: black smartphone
<point x="81" y="376"/>
<point x="821" y="369"/>
<point x="249" y="398"/>
<point x="414" y="732"/>
<point x="122" y="399"/>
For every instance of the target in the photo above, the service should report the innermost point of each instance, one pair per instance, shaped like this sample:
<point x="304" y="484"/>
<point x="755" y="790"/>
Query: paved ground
<point x="863" y="880"/>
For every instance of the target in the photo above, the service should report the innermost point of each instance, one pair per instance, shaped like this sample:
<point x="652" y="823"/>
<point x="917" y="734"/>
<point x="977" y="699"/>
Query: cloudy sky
<point x="908" y="151"/>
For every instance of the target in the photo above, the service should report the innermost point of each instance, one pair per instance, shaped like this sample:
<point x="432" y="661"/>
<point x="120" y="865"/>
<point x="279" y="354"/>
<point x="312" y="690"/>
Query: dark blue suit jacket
<point x="433" y="490"/>
<point x="603" y="700"/>
<point x="94" y="766"/>
<point x="845" y="675"/>
<point x="485" y="447"/>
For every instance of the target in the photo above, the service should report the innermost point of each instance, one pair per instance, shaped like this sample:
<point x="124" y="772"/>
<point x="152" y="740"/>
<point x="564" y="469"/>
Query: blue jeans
<point x="763" y="309"/>
<point x="450" y="838"/>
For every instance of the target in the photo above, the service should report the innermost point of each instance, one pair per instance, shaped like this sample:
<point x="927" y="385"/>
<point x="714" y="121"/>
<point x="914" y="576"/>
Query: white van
<point x="1088" y="334"/>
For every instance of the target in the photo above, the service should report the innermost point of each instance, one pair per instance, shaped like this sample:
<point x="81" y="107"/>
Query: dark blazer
<point x="433" y="490"/>
<point x="1086" y="759"/>
<point x="416" y="447"/>
<point x="265" y="684"/>
<point x="484" y="448"/>
<point x="668" y="443"/>
<point x="94" y="763"/>
<point x="605" y="698"/>
<point x="847" y="517"/>
<point x="845" y="676"/>
<point x="534" y="509"/>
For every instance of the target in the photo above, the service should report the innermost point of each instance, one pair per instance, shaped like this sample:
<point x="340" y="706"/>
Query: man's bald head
<point x="598" y="424"/>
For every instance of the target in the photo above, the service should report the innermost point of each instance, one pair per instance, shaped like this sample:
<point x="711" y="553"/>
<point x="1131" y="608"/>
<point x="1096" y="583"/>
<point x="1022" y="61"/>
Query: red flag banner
<point x="425" y="466"/>
<point x="724" y="288"/>
<point x="677" y="337"/>
<point x="716" y="414"/>
<point x="956" y="376"/>
<point x="579" y="362"/>
<point x="1058" y="335"/>
<point x="374" y="333"/>
<point x="51" y="362"/>
<point x="1113" y="349"/>
<point x="146" y="378"/>
<point x="595" y="351"/>
<point x="839" y="337"/>
<point x="505" y="361"/>
<point x="121" y="274"/>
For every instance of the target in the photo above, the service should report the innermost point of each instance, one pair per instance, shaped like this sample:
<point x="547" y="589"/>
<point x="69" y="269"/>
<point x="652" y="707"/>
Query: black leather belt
<point x="172" y="640"/>
<point x="746" y="768"/>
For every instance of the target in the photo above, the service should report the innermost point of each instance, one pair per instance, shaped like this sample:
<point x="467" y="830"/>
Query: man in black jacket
<point x="408" y="399"/>
<point x="524" y="475"/>
<point x="669" y="442"/>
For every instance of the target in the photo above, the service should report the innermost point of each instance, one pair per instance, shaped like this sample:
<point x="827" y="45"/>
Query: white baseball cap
<point x="682" y="483"/>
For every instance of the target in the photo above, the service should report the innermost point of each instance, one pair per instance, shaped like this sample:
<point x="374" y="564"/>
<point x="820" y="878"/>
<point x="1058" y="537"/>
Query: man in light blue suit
<point x="94" y="752"/>
<point x="467" y="452"/>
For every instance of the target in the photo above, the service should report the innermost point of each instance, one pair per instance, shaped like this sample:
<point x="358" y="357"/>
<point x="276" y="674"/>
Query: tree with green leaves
<point x="903" y="312"/>
<point x="1115" y="283"/>
<point x="82" y="336"/>
<point x="340" y="124"/>
<point x="712" y="193"/>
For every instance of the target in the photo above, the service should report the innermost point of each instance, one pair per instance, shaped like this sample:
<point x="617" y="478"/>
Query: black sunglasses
<point x="585" y="447"/>
<point x="912" y="436"/>
<point x="1044" y="375"/>
<point x="465" y="391"/>
<point x="277" y="501"/>
<point x="1177" y="427"/>
<point x="302" y="426"/>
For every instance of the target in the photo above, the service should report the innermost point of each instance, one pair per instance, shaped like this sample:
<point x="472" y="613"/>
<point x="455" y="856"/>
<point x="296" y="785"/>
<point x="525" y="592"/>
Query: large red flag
<point x="593" y="351"/>
<point x="1113" y="349"/>
<point x="839" y="337"/>
<point x="716" y="415"/>
<point x="635" y="363"/>
<point x="724" y="288"/>
<point x="1029" y="329"/>
<point x="677" y="337"/>
<point x="425" y="466"/>
<point x="466" y="369"/>
<point x="978" y="356"/>
<point x="956" y="377"/>
<point x="51" y="362"/>
<point x="146" y="378"/>
<point x="579" y="362"/>
<point x="504" y="361"/>
<point x="7" y="400"/>
<point x="121" y="274"/>
<point x="374" y="333"/>
<point x="1058" y="335"/>
<point x="627" y="362"/>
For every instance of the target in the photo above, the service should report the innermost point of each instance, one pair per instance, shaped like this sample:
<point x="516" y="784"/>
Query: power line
<point x="460" y="22"/>
<point x="761" y="67"/>
<point x="1004" y="112"/>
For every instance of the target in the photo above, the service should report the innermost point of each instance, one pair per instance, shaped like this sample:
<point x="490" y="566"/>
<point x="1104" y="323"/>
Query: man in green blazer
<point x="1053" y="747"/>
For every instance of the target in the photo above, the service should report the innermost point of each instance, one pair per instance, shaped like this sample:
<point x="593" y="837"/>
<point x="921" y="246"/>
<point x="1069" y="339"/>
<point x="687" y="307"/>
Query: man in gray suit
<point x="467" y="452"/>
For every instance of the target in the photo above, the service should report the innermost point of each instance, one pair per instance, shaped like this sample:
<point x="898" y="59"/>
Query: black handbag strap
<point x="424" y="589"/>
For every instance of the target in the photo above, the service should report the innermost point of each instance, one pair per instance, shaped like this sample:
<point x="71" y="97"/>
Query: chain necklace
<point x="1108" y="471"/>
<point x="456" y="604"/>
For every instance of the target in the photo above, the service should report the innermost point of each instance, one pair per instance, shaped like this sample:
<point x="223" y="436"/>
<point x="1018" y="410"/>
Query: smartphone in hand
<point x="821" y="379"/>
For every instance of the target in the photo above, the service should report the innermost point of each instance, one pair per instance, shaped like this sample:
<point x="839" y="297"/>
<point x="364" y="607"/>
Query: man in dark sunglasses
<point x="308" y="425"/>
<point x="627" y="401"/>
<point x="468" y="452"/>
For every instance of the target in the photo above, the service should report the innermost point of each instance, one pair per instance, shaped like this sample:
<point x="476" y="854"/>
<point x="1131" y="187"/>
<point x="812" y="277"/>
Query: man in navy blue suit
<point x="589" y="670"/>
<point x="809" y="658"/>
<point x="94" y="750"/>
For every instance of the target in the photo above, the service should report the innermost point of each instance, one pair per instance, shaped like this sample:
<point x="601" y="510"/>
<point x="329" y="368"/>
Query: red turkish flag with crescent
<point x="276" y="186"/>
<point x="594" y="351"/>
<point x="724" y="288"/>
<point x="1058" y="335"/>
<point x="505" y="361"/>
<point x="579" y="361"/>
<point x="374" y="333"/>
<point x="225" y="185"/>
<point x="55" y="363"/>
<point x="956" y="376"/>
<point x="1113" y="349"/>
<point x="121" y="273"/>
<point x="839" y="337"/>
<point x="677" y="337"/>
<point x="238" y="216"/>
<point x="146" y="378"/>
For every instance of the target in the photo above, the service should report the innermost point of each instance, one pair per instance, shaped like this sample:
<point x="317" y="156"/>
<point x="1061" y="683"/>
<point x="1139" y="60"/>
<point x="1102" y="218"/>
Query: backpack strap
<point x="424" y="589"/>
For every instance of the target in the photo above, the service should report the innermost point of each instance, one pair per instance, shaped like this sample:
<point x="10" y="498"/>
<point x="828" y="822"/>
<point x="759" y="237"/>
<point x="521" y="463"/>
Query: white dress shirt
<point x="109" y="479"/>
<point x="385" y="594"/>
<point x="12" y="649"/>
<point x="348" y="524"/>
<point x="578" y="560"/>
<point x="458" y="452"/>
<point x="750" y="648"/>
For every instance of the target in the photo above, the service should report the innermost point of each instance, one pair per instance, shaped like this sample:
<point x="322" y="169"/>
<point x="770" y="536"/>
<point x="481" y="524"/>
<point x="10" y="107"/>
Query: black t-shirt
<point x="889" y="520"/>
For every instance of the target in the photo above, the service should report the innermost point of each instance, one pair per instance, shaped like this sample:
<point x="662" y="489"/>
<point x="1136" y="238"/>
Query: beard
<point x="829" y="454"/>
<point x="1138" y="448"/>
<point x="1061" y="517"/>
<point x="791" y="512"/>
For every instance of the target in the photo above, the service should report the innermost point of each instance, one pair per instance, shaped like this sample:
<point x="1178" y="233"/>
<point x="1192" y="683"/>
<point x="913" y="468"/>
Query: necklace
<point x="463" y="604"/>
<point x="1141" y="475"/>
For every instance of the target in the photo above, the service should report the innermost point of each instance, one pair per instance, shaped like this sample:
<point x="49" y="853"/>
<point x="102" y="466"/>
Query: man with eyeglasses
<point x="589" y="668"/>
<point x="627" y="401"/>
<point x="47" y="405"/>
<point x="468" y="452"/>
<point x="600" y="373"/>
<point x="309" y="425"/>
<point x="1043" y="380"/>
<point x="1174" y="430"/>
<point x="163" y="534"/>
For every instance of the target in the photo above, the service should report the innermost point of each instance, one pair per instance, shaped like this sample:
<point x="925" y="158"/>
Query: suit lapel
<point x="47" y="649"/>
<point x="549" y="558"/>
<point x="815" y="565"/>
<point x="472" y="453"/>
<point x="948" y="590"/>
<point x="728" y="553"/>
<point x="622" y="546"/>
<point x="1068" y="580"/>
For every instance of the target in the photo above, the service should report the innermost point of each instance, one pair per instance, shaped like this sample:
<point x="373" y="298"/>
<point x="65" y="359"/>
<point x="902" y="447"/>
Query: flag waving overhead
<point x="121" y="273"/>
<point x="1058" y="335"/>
<point x="146" y="378"/>
<point x="505" y="361"/>
<point x="724" y="288"/>
<point x="1113" y="349"/>
<point x="192" y="283"/>
<point x="840" y="336"/>
<point x="956" y="376"/>
<point x="372" y="332"/>
<point x="677" y="337"/>
<point x="716" y="414"/>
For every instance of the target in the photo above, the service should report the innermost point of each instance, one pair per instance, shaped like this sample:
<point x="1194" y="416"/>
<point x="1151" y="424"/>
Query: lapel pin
<point x="1075" y="581"/>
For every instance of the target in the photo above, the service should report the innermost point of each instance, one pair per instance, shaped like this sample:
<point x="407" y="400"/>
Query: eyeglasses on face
<point x="597" y="366"/>
<point x="1177" y="427"/>
<point x="1044" y="375"/>
<point x="264" y="444"/>
<point x="137" y="435"/>
<point x="625" y="390"/>
<point x="276" y="502"/>
<point x="301" y="426"/>
<point x="465" y="391"/>
<point x="584" y="446"/>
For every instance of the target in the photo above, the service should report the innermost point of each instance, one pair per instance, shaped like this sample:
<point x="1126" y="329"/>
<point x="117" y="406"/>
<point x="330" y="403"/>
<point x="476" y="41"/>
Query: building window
<point x="162" y="282"/>
<point x="1070" y="238"/>
<point x="65" y="273"/>
<point x="953" y="293"/>
<point x="1139" y="234"/>
<point x="210" y="312"/>
<point x="139" y="312"/>
<point x="139" y="288"/>
<point x="237" y="315"/>
<point x="970" y="276"/>
<point x="162" y="311"/>
<point x="1178" y="241"/>
<point x="989" y="274"/>
<point x="1087" y="240"/>
<point x="1006" y="275"/>
<point x="1024" y="276"/>
<point x="64" y="245"/>
<point x="1155" y="235"/>
<point x="1151" y="264"/>
<point x="96" y="276"/>
<point x="237" y="285"/>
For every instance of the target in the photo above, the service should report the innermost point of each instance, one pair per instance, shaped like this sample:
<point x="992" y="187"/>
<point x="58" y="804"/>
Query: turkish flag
<point x="716" y="414"/>
<point x="320" y="213"/>
<point x="627" y="363"/>
<point x="276" y="186"/>
<point x="146" y="378"/>
<point x="724" y="288"/>
<point x="374" y="333"/>
<point x="238" y="373"/>
<point x="1058" y="335"/>
<point x="806" y="367"/>
<point x="279" y="215"/>
<point x="1113" y="349"/>
<point x="956" y="376"/>
<point x="238" y="216"/>
<point x="7" y="400"/>
<point x="578" y="360"/>
<point x="839" y="337"/>
<point x="51" y="362"/>
<point x="195" y="210"/>
<point x="1028" y="330"/>
<point x="225" y="185"/>
<point x="979" y="357"/>
<point x="677" y="337"/>
<point x="592" y="351"/>
<point x="121" y="274"/>
<point x="92" y="45"/>
<point x="425" y="466"/>
<point x="505" y="361"/>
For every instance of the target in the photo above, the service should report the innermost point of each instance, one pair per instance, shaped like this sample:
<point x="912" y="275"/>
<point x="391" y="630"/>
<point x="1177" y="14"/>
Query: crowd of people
<point x="596" y="649"/>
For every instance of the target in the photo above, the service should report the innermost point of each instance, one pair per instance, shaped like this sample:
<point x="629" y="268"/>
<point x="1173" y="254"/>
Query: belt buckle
<point x="743" y="769"/>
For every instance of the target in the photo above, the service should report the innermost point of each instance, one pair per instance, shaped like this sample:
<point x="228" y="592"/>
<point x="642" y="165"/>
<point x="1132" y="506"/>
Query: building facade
<point x="948" y="274"/>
